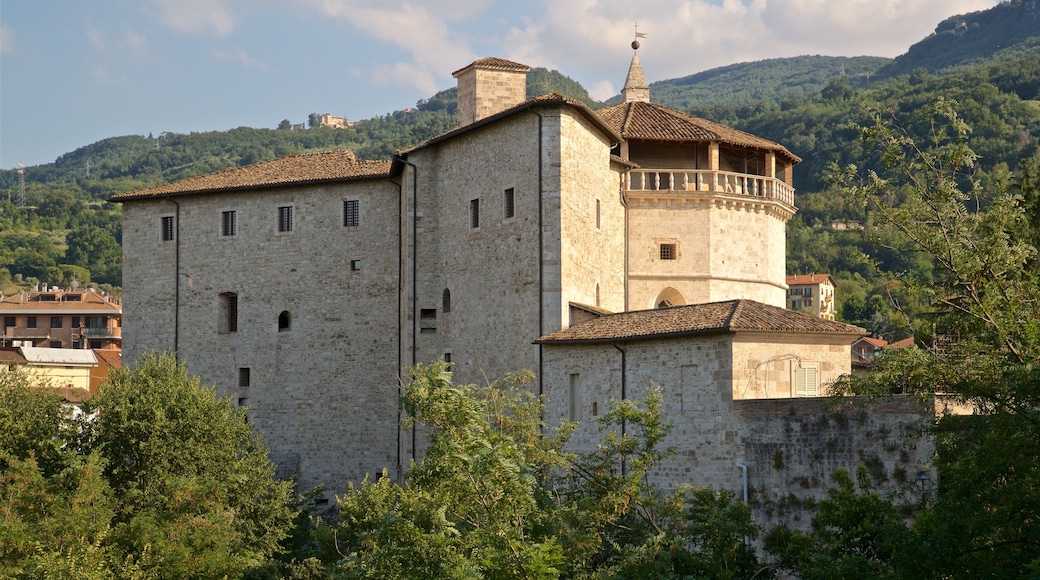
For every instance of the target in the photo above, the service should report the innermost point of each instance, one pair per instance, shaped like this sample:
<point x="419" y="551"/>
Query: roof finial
<point x="635" y="43"/>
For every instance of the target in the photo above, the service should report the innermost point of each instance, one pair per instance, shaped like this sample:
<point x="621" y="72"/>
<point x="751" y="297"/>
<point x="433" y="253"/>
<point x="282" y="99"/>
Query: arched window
<point x="669" y="297"/>
<point x="446" y="301"/>
<point x="284" y="321"/>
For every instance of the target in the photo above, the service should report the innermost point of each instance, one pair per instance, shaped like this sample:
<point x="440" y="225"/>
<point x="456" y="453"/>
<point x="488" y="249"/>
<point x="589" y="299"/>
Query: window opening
<point x="55" y="344"/>
<point x="355" y="265"/>
<point x="285" y="218"/>
<point x="229" y="307"/>
<point x="351" y="213"/>
<point x="507" y="199"/>
<point x="446" y="301"/>
<point x="667" y="252"/>
<point x="30" y="322"/>
<point x="55" y="322"/>
<point x="243" y="376"/>
<point x="474" y="213"/>
<point x="284" y="321"/>
<point x="167" y="229"/>
<point x="574" y="397"/>
<point x="228" y="223"/>
<point x="597" y="214"/>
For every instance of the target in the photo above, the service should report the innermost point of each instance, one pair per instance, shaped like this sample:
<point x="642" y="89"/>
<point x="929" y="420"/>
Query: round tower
<point x="707" y="205"/>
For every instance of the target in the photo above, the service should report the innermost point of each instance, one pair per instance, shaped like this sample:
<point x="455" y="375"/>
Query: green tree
<point x="983" y="301"/>
<point x="285" y="125"/>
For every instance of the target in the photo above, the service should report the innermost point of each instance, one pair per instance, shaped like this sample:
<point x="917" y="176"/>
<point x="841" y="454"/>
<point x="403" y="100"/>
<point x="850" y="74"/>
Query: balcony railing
<point x="103" y="332"/>
<point x="706" y="181"/>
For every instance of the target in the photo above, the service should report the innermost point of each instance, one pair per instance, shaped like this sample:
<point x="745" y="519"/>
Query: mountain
<point x="1006" y="32"/>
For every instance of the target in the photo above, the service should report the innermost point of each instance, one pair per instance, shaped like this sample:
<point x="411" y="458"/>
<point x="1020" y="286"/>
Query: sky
<point x="74" y="72"/>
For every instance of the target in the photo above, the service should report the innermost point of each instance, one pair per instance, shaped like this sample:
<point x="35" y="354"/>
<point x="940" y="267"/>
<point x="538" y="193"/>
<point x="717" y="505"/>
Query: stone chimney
<point x="488" y="86"/>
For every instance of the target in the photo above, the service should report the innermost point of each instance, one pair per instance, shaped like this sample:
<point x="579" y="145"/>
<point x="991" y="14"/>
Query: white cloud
<point x="196" y="16"/>
<point x="6" y="39"/>
<point x="420" y="30"/>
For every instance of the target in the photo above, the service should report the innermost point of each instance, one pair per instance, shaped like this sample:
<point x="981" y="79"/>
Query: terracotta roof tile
<point x="801" y="279"/>
<point x="89" y="302"/>
<point x="710" y="318"/>
<point x="652" y="122"/>
<point x="326" y="166"/>
<point x="113" y="357"/>
<point x="494" y="63"/>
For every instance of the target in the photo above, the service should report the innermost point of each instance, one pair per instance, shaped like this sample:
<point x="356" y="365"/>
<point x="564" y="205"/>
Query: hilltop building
<point x="62" y="318"/>
<point x="604" y="250"/>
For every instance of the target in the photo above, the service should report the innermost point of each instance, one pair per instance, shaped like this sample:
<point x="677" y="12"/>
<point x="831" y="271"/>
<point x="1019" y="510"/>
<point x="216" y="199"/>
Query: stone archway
<point x="669" y="297"/>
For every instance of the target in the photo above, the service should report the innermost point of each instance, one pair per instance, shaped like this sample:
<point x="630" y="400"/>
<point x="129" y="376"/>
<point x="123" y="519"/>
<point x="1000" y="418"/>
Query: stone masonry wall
<point x="324" y="390"/>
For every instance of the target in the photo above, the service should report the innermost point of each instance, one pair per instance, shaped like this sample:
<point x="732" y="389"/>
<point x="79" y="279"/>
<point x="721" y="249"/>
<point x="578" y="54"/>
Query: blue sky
<point x="73" y="72"/>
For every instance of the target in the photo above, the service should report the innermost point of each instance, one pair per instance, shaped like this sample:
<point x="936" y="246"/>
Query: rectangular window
<point x="97" y="322"/>
<point x="30" y="322"/>
<point x="9" y="321"/>
<point x="285" y="218"/>
<point x="508" y="202"/>
<point x="474" y="214"/>
<point x="597" y="214"/>
<point x="228" y="223"/>
<point x="351" y="213"/>
<point x="75" y="322"/>
<point x="55" y="322"/>
<point x="167" y="228"/>
<point x="229" y="312"/>
<point x="668" y="252"/>
<point x="355" y="265"/>
<point x="243" y="377"/>
<point x="806" y="379"/>
<point x="55" y="344"/>
<point x="95" y="344"/>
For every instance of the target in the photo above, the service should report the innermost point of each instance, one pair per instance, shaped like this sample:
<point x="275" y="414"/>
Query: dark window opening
<point x="355" y="265"/>
<point x="55" y="322"/>
<point x="168" y="229"/>
<point x="284" y="322"/>
<point x="474" y="213"/>
<point x="9" y="321"/>
<point x="30" y="322"/>
<point x="229" y="307"/>
<point x="55" y="344"/>
<point x="447" y="357"/>
<point x="446" y="301"/>
<point x="351" y="215"/>
<point x="95" y="344"/>
<point x="243" y="376"/>
<point x="507" y="201"/>
<point x="228" y="223"/>
<point x="285" y="218"/>
<point x="668" y="252"/>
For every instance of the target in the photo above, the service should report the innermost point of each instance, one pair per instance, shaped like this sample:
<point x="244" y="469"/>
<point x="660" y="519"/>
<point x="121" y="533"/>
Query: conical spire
<point x="636" y="87"/>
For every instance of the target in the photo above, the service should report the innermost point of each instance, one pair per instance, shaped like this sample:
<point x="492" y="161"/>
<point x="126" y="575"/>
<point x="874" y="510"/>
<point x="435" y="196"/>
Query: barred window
<point x="508" y="202"/>
<point x="229" y="312"/>
<point x="285" y="218"/>
<point x="228" y="223"/>
<point x="668" y="252"/>
<point x="474" y="213"/>
<point x="167" y="227"/>
<point x="351" y="213"/>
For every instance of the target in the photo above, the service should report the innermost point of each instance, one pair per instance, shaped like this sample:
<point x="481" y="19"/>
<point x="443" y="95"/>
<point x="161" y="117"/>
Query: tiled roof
<point x="710" y="318"/>
<point x="113" y="357"/>
<point x="875" y="342"/>
<point x="652" y="122"/>
<point x="8" y="356"/>
<point x="494" y="63"/>
<point x="327" y="166"/>
<point x="29" y="302"/>
<point x="803" y="279"/>
<point x="546" y="100"/>
<point x="901" y="343"/>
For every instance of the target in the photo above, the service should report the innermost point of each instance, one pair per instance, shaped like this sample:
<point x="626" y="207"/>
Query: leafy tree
<point x="285" y="125"/>
<point x="984" y="305"/>
<point x="313" y="120"/>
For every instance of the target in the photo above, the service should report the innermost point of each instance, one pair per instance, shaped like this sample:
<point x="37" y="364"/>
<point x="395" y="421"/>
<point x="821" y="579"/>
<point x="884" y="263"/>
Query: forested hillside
<point x="986" y="62"/>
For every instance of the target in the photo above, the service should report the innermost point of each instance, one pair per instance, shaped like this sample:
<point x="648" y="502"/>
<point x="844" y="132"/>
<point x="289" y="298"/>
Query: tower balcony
<point x="710" y="182"/>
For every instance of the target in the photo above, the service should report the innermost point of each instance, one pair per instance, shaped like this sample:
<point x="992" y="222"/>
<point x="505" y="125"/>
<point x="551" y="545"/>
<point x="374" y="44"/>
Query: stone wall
<point x="323" y="391"/>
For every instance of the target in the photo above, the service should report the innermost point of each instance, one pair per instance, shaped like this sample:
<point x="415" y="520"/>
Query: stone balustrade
<point x="708" y="181"/>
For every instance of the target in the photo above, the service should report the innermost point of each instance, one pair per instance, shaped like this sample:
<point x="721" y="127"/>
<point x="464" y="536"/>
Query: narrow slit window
<point x="446" y="301"/>
<point x="508" y="202"/>
<point x="474" y="214"/>
<point x="229" y="312"/>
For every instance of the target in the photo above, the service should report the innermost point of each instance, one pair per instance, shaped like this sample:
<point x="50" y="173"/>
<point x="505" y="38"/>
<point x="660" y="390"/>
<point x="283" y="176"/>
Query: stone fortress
<point x="604" y="250"/>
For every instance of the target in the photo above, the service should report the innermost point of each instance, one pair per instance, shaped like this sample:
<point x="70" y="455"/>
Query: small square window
<point x="243" y="377"/>
<point x="351" y="213"/>
<point x="55" y="322"/>
<point x="228" y="223"/>
<point x="668" y="252"/>
<point x="355" y="265"/>
<point x="30" y="322"/>
<point x="285" y="218"/>
<point x="474" y="214"/>
<point x="168" y="233"/>
<point x="508" y="202"/>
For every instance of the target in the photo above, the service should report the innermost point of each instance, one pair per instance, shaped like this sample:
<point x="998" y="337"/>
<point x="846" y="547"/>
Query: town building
<point x="62" y="318"/>
<point x="305" y="287"/>
<point x="812" y="293"/>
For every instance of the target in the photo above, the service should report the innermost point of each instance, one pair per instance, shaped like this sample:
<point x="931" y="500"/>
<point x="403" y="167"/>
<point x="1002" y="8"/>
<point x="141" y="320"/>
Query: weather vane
<point x="635" y="43"/>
